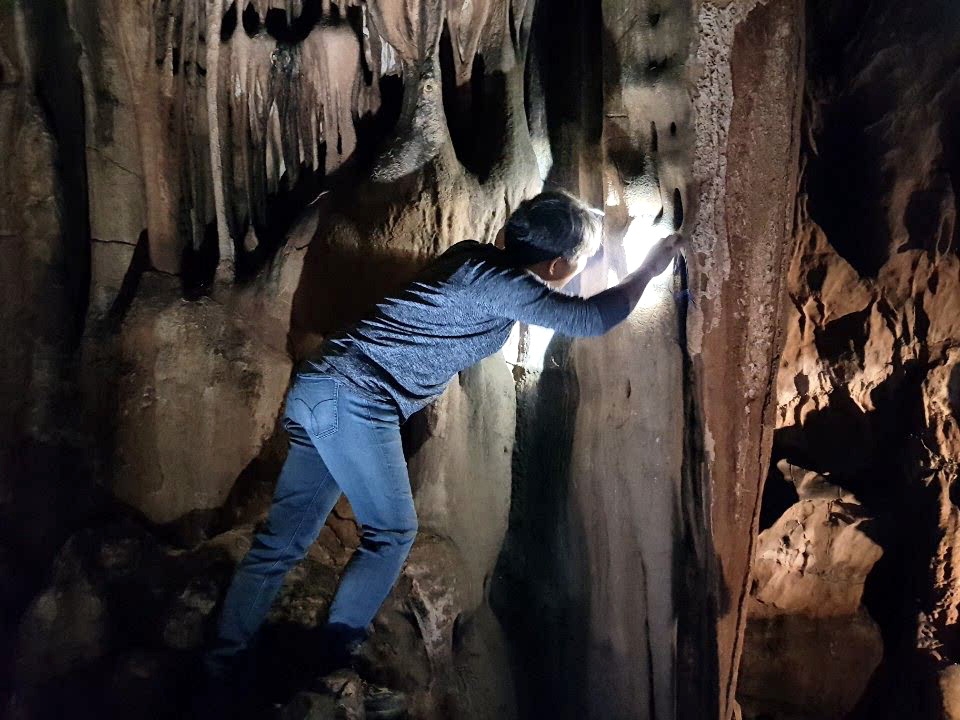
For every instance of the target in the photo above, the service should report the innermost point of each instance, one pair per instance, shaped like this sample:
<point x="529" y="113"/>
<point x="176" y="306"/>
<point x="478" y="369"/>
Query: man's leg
<point x="304" y="496"/>
<point x="366" y="458"/>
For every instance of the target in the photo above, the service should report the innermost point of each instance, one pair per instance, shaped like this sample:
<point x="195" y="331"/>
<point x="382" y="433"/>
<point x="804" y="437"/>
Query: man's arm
<point x="522" y="296"/>
<point x="655" y="263"/>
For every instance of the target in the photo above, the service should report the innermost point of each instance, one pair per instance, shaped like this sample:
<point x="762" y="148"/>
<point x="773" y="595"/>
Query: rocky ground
<point x="119" y="629"/>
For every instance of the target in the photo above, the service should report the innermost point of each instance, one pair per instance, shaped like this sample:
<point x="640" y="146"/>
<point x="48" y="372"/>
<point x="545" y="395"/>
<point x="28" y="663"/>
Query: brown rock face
<point x="197" y="401"/>
<point x="866" y="390"/>
<point x="801" y="668"/>
<point x="815" y="559"/>
<point x="747" y="107"/>
<point x="810" y="647"/>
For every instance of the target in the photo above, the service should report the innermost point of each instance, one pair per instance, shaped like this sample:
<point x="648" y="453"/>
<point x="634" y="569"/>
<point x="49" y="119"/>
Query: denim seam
<point x="384" y="462"/>
<point x="336" y="412"/>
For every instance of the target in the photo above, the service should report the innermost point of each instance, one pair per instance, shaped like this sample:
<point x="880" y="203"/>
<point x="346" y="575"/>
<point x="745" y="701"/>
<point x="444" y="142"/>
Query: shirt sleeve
<point x="517" y="294"/>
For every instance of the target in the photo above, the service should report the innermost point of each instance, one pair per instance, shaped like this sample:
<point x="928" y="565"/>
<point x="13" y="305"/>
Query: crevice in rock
<point x="844" y="338"/>
<point x="139" y="264"/>
<point x="698" y="578"/>
<point x="251" y="20"/>
<point x="59" y="92"/>
<point x="228" y="24"/>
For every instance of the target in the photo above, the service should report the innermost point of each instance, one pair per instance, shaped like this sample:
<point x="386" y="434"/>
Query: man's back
<point x="457" y="311"/>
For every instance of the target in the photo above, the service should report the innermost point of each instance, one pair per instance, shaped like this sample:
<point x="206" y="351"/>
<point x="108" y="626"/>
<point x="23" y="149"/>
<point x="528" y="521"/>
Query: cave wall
<point x="607" y="502"/>
<point x="627" y="445"/>
<point x="223" y="185"/>
<point x="585" y="583"/>
<point x="866" y="388"/>
<point x="747" y="108"/>
<point x="236" y="217"/>
<point x="45" y="489"/>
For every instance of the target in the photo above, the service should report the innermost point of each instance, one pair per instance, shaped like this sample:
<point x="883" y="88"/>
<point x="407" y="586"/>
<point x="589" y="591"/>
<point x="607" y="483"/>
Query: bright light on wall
<point x="511" y="349"/>
<point x="537" y="340"/>
<point x="527" y="346"/>
<point x="638" y="241"/>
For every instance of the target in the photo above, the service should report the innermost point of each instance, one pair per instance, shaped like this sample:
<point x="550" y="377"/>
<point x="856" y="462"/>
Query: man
<point x="344" y="409"/>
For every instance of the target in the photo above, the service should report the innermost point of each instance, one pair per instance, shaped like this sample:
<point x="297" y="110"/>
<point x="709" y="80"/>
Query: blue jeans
<point x="340" y="440"/>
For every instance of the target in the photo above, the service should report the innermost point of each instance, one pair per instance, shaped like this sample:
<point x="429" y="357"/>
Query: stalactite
<point x="240" y="116"/>
<point x="226" y="242"/>
<point x="410" y="26"/>
<point x="467" y="23"/>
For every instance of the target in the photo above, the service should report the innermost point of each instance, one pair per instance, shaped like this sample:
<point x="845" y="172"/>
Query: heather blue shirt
<point x="458" y="310"/>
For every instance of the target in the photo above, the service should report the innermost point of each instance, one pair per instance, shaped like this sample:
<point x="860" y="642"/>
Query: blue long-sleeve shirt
<point x="458" y="310"/>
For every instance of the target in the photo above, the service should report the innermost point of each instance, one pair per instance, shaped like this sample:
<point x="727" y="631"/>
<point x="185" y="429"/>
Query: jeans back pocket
<point x="312" y="402"/>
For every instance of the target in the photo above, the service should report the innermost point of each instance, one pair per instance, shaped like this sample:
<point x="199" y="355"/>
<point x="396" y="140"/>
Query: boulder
<point x="810" y="648"/>
<point x="815" y="559"/>
<point x="198" y="395"/>
<point x="797" y="667"/>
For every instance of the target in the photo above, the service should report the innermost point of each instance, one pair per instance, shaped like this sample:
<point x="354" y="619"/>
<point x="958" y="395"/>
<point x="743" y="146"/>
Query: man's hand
<point x="661" y="254"/>
<point x="655" y="263"/>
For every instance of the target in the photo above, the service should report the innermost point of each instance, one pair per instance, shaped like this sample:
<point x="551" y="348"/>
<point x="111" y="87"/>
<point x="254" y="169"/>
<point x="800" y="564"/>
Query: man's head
<point x="553" y="235"/>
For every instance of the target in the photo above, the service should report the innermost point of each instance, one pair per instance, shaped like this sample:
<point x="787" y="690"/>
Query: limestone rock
<point x="810" y="647"/>
<point x="461" y="471"/>
<point x="438" y="594"/>
<point x="186" y="620"/>
<point x="65" y="627"/>
<point x="305" y="596"/>
<point x="394" y="655"/>
<point x="950" y="691"/>
<point x="815" y="559"/>
<point x="146" y="681"/>
<point x="37" y="310"/>
<point x="866" y="388"/>
<point x="105" y="581"/>
<point x="749" y="87"/>
<point x="109" y="266"/>
<point x="199" y="396"/>
<point x="346" y="688"/>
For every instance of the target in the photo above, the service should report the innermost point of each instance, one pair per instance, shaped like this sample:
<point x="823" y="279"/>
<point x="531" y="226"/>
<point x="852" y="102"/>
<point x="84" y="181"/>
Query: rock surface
<point x="866" y="389"/>
<point x="198" y="397"/>
<point x="810" y="648"/>
<point x="196" y="193"/>
<point x="815" y="559"/>
<point x="802" y="668"/>
<point x="747" y="107"/>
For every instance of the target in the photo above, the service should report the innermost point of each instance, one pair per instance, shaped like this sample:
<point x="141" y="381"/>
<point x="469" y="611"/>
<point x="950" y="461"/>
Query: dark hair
<point x="553" y="224"/>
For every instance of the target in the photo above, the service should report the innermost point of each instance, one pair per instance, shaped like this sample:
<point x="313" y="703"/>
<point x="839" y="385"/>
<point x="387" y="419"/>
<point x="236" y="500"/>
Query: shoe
<point x="339" y="645"/>
<point x="381" y="703"/>
<point x="345" y="688"/>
